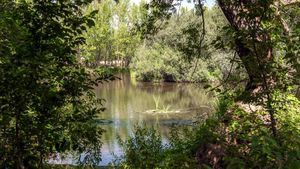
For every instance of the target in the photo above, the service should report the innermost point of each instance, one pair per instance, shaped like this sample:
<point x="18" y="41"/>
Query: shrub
<point x="155" y="63"/>
<point x="233" y="137"/>
<point x="144" y="149"/>
<point x="246" y="137"/>
<point x="163" y="63"/>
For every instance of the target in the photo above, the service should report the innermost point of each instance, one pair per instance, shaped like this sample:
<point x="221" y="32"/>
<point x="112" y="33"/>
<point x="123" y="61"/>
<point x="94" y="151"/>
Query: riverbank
<point x="141" y="77"/>
<point x="129" y="102"/>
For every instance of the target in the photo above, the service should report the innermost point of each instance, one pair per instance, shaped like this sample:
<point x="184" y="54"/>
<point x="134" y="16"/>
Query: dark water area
<point x="129" y="102"/>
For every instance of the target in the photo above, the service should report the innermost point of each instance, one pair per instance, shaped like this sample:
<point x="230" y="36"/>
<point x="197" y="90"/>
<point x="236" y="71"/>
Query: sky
<point x="209" y="3"/>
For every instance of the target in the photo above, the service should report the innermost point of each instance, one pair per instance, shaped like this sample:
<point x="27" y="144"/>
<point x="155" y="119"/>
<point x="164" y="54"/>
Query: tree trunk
<point x="254" y="49"/>
<point x="251" y="46"/>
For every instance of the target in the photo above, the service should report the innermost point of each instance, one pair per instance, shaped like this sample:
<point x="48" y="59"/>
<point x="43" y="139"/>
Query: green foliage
<point x="161" y="63"/>
<point x="157" y="63"/>
<point x="231" y="138"/>
<point x="288" y="125"/>
<point x="179" y="52"/>
<point x="266" y="44"/>
<point x="111" y="38"/>
<point x="47" y="105"/>
<point x="247" y="138"/>
<point x="263" y="134"/>
<point x="143" y="150"/>
<point x="153" y="14"/>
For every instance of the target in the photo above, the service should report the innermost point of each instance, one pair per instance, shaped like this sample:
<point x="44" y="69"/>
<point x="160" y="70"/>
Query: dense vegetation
<point x="47" y="105"/>
<point x="180" y="52"/>
<point x="172" y="47"/>
<point x="257" y="123"/>
<point x="231" y="138"/>
<point x="111" y="38"/>
<point x="52" y="54"/>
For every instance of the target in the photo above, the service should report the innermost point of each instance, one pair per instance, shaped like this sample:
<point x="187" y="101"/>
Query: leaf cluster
<point x="46" y="104"/>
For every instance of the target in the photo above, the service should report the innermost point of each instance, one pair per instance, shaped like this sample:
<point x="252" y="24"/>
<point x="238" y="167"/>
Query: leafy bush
<point x="144" y="149"/>
<point x="179" y="51"/>
<point x="155" y="63"/>
<point x="246" y="137"/>
<point x="163" y="63"/>
<point x="231" y="138"/>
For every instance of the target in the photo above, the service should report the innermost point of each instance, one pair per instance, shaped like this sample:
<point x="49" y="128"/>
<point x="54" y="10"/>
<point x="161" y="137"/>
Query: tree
<point x="111" y="38"/>
<point x="153" y="12"/>
<point x="179" y="51"/>
<point x="263" y="44"/>
<point x="99" y="38"/>
<point x="125" y="42"/>
<point x="258" y="26"/>
<point x="260" y="127"/>
<point x="47" y="107"/>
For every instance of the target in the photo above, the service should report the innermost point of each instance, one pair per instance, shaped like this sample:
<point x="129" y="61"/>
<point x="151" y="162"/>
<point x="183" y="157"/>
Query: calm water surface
<point x="163" y="104"/>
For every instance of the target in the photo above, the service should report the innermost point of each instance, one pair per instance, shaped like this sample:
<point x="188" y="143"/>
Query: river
<point x="129" y="102"/>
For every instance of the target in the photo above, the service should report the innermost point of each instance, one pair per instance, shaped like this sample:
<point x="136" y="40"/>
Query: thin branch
<point x="229" y="74"/>
<point x="202" y="37"/>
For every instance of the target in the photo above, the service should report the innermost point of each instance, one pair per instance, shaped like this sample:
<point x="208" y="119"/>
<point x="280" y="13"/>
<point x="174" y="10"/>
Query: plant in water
<point x="156" y="101"/>
<point x="160" y="109"/>
<point x="165" y="109"/>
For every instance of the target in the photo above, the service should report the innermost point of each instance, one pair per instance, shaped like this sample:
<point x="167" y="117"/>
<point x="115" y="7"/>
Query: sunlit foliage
<point x="46" y="104"/>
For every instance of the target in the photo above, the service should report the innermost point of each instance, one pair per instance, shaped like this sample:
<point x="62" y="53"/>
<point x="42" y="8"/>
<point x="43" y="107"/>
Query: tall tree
<point x="111" y="38"/>
<point x="256" y="23"/>
<point x="47" y="107"/>
<point x="260" y="31"/>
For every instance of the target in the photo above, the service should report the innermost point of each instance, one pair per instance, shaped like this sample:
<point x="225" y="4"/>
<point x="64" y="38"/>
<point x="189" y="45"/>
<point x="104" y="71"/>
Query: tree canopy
<point x="53" y="53"/>
<point x="47" y="106"/>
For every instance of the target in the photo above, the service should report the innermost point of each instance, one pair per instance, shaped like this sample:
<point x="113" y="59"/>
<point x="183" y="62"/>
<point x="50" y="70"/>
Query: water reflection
<point x="129" y="102"/>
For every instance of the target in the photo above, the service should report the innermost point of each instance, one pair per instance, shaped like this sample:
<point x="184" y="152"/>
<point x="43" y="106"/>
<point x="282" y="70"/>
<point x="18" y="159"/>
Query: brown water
<point x="162" y="104"/>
